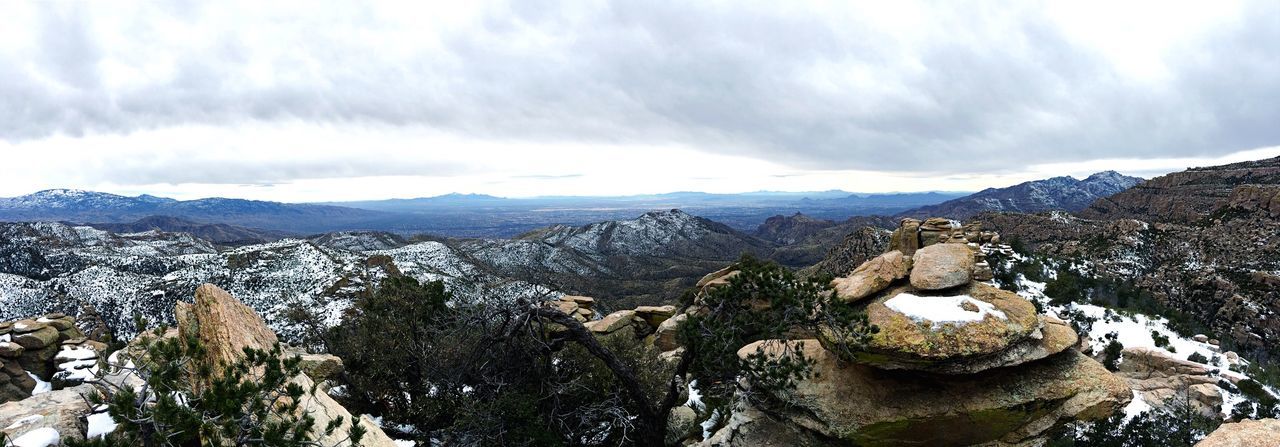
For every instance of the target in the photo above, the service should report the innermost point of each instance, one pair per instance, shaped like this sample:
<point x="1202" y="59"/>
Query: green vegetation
<point x="500" y="373"/>
<point x="187" y="399"/>
<point x="1178" y="425"/>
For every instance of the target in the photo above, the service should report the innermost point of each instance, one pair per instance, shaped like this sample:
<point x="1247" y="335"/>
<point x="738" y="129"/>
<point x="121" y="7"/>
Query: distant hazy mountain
<point x="1057" y="193"/>
<point x="222" y="234"/>
<point x="87" y="206"/>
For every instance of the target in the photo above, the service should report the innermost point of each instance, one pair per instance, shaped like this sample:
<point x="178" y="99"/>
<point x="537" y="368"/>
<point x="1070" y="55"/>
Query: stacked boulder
<point x="955" y="362"/>
<point x="31" y="345"/>
<point x="645" y="322"/>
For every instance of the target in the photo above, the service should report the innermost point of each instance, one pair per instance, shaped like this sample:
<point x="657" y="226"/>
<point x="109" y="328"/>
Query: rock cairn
<point x="33" y="345"/>
<point x="956" y="361"/>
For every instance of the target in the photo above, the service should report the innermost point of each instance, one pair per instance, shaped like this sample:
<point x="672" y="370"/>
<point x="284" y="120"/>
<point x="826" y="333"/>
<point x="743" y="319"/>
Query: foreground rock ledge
<point x="1246" y="433"/>
<point x="851" y="404"/>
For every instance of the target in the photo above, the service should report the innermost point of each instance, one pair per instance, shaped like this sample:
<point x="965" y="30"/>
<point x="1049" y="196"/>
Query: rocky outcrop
<point x="226" y="327"/>
<point x="1164" y="381"/>
<point x="1187" y="196"/>
<point x="845" y="403"/>
<point x="1246" y="433"/>
<point x="52" y="415"/>
<point x="954" y="362"/>
<point x="31" y="345"/>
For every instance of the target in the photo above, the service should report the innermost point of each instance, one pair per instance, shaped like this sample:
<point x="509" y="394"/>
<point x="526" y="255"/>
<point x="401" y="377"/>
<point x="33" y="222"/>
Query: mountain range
<point x="1057" y="193"/>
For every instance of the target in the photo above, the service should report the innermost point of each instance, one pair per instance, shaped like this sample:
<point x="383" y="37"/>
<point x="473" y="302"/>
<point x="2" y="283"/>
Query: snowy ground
<point x="1136" y="330"/>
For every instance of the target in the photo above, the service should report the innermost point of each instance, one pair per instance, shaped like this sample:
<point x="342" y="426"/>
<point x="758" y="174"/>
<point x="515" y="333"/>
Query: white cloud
<point x="358" y="100"/>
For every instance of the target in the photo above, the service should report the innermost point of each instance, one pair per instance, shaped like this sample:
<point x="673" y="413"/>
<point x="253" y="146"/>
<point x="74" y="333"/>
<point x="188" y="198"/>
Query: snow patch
<point x="943" y="309"/>
<point x="41" y="386"/>
<point x="40" y="437"/>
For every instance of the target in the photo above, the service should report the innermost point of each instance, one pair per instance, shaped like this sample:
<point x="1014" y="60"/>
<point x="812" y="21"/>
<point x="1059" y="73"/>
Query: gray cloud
<point x="812" y="89"/>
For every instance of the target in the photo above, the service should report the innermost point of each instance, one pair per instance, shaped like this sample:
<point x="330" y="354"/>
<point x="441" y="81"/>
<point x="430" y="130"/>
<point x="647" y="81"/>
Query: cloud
<point x="914" y="89"/>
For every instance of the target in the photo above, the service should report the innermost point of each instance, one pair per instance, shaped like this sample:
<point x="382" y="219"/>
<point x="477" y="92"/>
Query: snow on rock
<point x="41" y="386"/>
<point x="40" y="437"/>
<point x="100" y="423"/>
<point x="943" y="309"/>
<point x="1136" y="406"/>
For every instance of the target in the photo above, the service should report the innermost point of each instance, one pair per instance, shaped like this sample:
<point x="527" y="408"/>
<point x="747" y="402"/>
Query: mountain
<point x="803" y="240"/>
<point x="1057" y="193"/>
<point x="222" y="234"/>
<point x="50" y="266"/>
<point x="1202" y="242"/>
<point x="88" y="206"/>
<point x="1185" y="196"/>
<point x="645" y="260"/>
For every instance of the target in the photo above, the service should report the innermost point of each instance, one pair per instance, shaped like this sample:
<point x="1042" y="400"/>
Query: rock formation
<point x="1188" y="196"/>
<point x="1246" y="433"/>
<point x="962" y="362"/>
<point x="1162" y="380"/>
<point x="226" y="326"/>
<point x="32" y="345"/>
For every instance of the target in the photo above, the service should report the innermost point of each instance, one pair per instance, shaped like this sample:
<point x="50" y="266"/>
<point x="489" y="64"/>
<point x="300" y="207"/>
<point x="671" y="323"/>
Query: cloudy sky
<point x="334" y="101"/>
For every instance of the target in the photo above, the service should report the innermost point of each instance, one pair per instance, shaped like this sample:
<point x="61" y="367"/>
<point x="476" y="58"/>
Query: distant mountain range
<point x="1057" y="193"/>
<point x="452" y="215"/>
<point x="87" y="206"/>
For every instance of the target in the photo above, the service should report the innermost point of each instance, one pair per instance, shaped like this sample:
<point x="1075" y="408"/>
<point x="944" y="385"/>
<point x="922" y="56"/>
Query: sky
<point x="330" y="101"/>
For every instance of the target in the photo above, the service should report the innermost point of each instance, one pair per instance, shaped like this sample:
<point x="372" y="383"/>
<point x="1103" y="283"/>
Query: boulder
<point x="37" y="339"/>
<point x="60" y="410"/>
<point x="226" y="326"/>
<point x="718" y="274"/>
<point x="1246" y="433"/>
<point x="665" y="338"/>
<point x="941" y="266"/>
<point x="583" y="301"/>
<point x="907" y="342"/>
<point x="10" y="349"/>
<point x="61" y="323"/>
<point x="655" y="315"/>
<point x="1001" y="406"/>
<point x="613" y="322"/>
<point x="25" y="326"/>
<point x="872" y="276"/>
<point x="1163" y="380"/>
<point x="906" y="238"/>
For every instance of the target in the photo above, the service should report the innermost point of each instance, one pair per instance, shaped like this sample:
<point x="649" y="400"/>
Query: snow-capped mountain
<point x="1057" y="193"/>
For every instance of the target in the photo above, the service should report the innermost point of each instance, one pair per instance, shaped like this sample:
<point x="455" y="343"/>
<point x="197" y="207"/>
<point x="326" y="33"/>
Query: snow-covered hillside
<point x="1138" y="330"/>
<point x="47" y="267"/>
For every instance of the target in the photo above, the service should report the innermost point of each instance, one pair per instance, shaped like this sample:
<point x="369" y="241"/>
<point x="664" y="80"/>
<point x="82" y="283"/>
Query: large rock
<point x="226" y="326"/>
<point x="906" y="238"/>
<point x="856" y="404"/>
<point x="613" y="322"/>
<point x="655" y="315"/>
<point x="942" y="266"/>
<point x="905" y="342"/>
<point x="59" y="410"/>
<point x="1163" y="380"/>
<point x="1246" y="433"/>
<point x="665" y="338"/>
<point x="872" y="276"/>
<point x="37" y="339"/>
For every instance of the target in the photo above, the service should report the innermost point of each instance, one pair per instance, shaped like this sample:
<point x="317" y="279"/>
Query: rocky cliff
<point x="1189" y="196"/>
